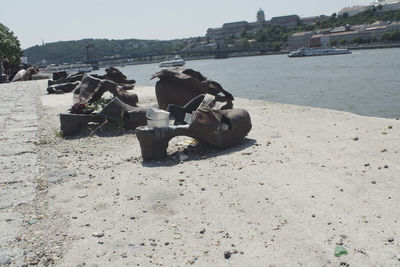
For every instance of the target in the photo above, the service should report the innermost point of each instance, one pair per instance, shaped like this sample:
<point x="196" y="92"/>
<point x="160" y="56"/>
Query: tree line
<point x="75" y="51"/>
<point x="9" y="46"/>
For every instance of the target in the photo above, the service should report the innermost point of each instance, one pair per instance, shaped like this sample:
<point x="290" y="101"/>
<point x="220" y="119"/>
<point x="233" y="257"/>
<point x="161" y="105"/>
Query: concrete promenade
<point x="18" y="162"/>
<point x="304" y="183"/>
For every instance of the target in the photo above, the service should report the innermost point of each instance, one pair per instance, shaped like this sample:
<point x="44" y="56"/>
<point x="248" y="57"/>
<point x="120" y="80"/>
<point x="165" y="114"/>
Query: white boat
<point x="176" y="62"/>
<point x="307" y="52"/>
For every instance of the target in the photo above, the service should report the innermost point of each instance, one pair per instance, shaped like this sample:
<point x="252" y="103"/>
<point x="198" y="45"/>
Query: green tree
<point x="261" y="36"/>
<point x="244" y="42"/>
<point x="276" y="46"/>
<point x="343" y="42"/>
<point x="386" y="36"/>
<point x="357" y="40"/>
<point x="230" y="39"/>
<point x="9" y="46"/>
<point x="333" y="42"/>
<point x="395" y="36"/>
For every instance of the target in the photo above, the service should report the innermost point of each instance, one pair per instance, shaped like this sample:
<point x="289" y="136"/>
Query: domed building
<point x="260" y="16"/>
<point x="237" y="28"/>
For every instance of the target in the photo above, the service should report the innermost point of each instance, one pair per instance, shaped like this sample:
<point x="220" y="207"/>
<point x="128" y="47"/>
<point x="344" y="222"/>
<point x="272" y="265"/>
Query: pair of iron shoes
<point x="208" y="124"/>
<point x="116" y="111"/>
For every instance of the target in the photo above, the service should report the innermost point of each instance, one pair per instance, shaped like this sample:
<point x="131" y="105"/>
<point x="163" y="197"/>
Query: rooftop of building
<point x="353" y="9"/>
<point x="234" y="24"/>
<point x="301" y="33"/>
<point x="286" y="17"/>
<point x="375" y="28"/>
<point x="312" y="17"/>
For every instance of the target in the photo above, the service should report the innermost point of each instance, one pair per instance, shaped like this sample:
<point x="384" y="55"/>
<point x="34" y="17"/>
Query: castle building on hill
<point x="237" y="28"/>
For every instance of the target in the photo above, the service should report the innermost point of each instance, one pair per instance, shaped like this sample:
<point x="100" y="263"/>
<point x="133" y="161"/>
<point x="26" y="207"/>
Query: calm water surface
<point x="366" y="82"/>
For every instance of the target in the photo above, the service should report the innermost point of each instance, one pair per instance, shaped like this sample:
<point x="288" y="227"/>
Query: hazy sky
<point x="54" y="20"/>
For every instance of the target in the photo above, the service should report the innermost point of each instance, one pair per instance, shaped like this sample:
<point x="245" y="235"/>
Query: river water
<point x="366" y="82"/>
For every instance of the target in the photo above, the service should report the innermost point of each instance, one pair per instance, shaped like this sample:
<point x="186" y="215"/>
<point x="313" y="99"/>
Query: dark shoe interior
<point x="178" y="112"/>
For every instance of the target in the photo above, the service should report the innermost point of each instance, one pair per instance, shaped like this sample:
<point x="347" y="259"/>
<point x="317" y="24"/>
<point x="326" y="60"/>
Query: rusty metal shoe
<point x="116" y="112"/>
<point x="74" y="77"/>
<point x="62" y="88"/>
<point x="116" y="76"/>
<point x="208" y="124"/>
<point x="91" y="89"/>
<point x="123" y="114"/>
<point x="180" y="85"/>
<point x="112" y="74"/>
<point x="73" y="124"/>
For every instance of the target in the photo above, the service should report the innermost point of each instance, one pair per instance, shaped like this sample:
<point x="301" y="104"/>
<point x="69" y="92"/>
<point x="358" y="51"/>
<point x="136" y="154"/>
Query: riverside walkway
<point x="306" y="183"/>
<point x="18" y="162"/>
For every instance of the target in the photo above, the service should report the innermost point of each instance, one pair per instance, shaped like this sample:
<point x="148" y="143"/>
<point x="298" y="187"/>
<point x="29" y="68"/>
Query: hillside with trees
<point x="75" y="51"/>
<point x="369" y="16"/>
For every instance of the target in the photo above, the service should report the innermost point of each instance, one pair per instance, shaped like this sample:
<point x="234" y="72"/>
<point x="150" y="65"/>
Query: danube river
<point x="366" y="82"/>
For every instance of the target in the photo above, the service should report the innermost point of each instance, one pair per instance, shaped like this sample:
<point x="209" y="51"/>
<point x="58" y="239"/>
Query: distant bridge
<point x="216" y="54"/>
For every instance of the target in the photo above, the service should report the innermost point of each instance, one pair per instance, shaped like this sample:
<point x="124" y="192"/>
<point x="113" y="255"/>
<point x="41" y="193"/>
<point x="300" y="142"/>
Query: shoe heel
<point x="152" y="145"/>
<point x="72" y="124"/>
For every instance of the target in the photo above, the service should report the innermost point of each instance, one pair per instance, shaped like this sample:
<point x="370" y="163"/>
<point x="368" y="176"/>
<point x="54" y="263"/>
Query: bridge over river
<point x="151" y="57"/>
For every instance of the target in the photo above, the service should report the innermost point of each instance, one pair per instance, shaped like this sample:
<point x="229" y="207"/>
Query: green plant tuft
<point x="59" y="133"/>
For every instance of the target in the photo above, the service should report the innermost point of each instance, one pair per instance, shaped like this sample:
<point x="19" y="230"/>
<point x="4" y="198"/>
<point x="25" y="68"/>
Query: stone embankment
<point x="19" y="163"/>
<point x="307" y="183"/>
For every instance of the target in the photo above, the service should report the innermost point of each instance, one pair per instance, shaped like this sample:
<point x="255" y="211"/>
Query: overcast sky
<point x="54" y="20"/>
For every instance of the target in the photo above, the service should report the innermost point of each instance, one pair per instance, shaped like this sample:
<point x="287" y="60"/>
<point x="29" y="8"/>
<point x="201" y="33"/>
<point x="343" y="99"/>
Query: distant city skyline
<point x="53" y="20"/>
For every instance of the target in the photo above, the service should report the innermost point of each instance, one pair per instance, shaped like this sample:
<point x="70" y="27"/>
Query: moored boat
<point x="176" y="62"/>
<point x="307" y="52"/>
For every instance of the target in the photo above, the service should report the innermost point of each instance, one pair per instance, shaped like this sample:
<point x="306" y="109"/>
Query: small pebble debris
<point x="227" y="254"/>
